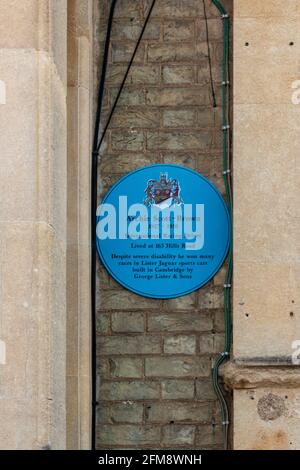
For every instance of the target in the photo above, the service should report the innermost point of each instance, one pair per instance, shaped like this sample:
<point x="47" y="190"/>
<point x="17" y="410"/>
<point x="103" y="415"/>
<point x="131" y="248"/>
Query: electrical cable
<point x="126" y="74"/>
<point x="228" y="189"/>
<point x="209" y="57"/>
<point x="94" y="185"/>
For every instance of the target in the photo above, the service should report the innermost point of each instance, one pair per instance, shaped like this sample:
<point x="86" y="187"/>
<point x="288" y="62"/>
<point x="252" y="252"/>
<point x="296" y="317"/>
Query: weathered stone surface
<point x="129" y="412"/>
<point x="128" y="367"/>
<point x="171" y="140"/>
<point x="204" y="390"/>
<point x="165" y="53"/>
<point x="211" y="343"/>
<point x="136" y="118"/>
<point x="179" y="30"/>
<point x="273" y="9"/>
<point x="178" y="97"/>
<point x="187" y="302"/>
<point x="129" y="97"/>
<point x="246" y="376"/>
<point x="178" y="74"/>
<point x="183" y="412"/>
<point x="179" y="9"/>
<point x="177" y="367"/>
<point x="125" y="434"/>
<point x="176" y="389"/>
<point x="128" y="8"/>
<point x="131" y="140"/>
<point x="179" y="118"/>
<point x="122" y="52"/>
<point x="178" y="435"/>
<point x="208" y="118"/>
<point x="267" y="256"/>
<point x="211" y="298"/>
<point x="121" y="300"/>
<point x="273" y="414"/>
<point x="219" y="322"/>
<point x="139" y="74"/>
<point x="128" y="322"/>
<point x="111" y="163"/>
<point x="180" y="344"/>
<point x="130" y="30"/>
<point x="103" y="323"/>
<point x="209" y="435"/>
<point x="129" y="344"/>
<point x="133" y="390"/>
<point x="185" y="159"/>
<point x="180" y="322"/>
<point x="215" y="30"/>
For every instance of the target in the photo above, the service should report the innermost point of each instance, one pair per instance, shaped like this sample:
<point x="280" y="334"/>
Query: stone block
<point x="204" y="390"/>
<point x="122" y="344"/>
<point x="128" y="434"/>
<point x="209" y="435"/>
<point x="180" y="140"/>
<point x="128" y="140"/>
<point x="179" y="30"/>
<point x="179" y="118"/>
<point x="175" y="389"/>
<point x="128" y="367"/>
<point x="177" y="367"/>
<point x="196" y="96"/>
<point x="162" y="53"/>
<point x="182" y="412"/>
<point x="178" y="435"/>
<point x="128" y="322"/>
<point x="128" y="412"/>
<point x="129" y="390"/>
<point x="178" y="74"/>
<point x="198" y="321"/>
<point x="180" y="344"/>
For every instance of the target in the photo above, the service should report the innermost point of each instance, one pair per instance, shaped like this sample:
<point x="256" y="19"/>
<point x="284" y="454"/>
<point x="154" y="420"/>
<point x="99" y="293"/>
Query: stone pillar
<point x="79" y="95"/>
<point x="33" y="178"/>
<point x="266" y="225"/>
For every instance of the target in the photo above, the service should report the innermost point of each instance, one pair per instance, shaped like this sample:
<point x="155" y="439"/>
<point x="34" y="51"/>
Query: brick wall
<point x="154" y="356"/>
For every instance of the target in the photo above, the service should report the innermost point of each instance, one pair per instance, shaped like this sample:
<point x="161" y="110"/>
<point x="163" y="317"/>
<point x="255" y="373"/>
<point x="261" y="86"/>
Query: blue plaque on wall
<point x="163" y="231"/>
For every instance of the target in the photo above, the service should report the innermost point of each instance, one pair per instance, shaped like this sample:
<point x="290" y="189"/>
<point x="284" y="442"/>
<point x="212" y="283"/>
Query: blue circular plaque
<point x="163" y="231"/>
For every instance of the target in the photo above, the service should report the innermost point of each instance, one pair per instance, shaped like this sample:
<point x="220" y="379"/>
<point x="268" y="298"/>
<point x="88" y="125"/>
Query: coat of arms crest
<point x="164" y="192"/>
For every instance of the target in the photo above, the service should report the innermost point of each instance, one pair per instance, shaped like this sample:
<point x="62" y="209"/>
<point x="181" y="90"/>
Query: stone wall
<point x="33" y="180"/>
<point x="45" y="117"/>
<point x="266" y="293"/>
<point x="154" y="356"/>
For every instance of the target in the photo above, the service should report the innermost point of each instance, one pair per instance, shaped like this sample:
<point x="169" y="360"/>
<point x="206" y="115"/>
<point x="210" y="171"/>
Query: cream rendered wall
<point x="33" y="224"/>
<point x="266" y="225"/>
<point x="45" y="340"/>
<point x="79" y="105"/>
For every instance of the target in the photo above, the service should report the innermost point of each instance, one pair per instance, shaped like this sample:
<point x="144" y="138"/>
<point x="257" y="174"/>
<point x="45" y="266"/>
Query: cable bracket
<point x="224" y="354"/>
<point x="225" y="128"/>
<point x="227" y="286"/>
<point x="225" y="423"/>
<point x="226" y="172"/>
<point x="225" y="15"/>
